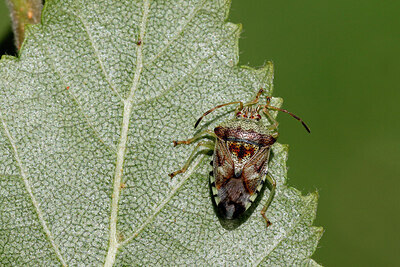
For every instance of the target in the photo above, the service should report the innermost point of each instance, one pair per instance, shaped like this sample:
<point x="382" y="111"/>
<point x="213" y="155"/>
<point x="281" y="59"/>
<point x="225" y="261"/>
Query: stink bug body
<point x="240" y="159"/>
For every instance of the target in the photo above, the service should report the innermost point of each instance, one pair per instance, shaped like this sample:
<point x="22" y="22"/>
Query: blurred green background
<point x="5" y="29"/>
<point x="336" y="66"/>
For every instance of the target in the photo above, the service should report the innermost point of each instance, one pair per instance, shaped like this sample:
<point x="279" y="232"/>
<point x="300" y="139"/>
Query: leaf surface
<point x="88" y="114"/>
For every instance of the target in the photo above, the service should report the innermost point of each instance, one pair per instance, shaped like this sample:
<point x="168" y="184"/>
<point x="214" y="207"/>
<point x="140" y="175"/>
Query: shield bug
<point x="241" y="149"/>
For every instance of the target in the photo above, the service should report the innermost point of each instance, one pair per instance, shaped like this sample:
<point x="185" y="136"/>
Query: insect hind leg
<point x="272" y="184"/>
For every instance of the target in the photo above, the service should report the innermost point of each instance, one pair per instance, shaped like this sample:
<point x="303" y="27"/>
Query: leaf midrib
<point x="121" y="151"/>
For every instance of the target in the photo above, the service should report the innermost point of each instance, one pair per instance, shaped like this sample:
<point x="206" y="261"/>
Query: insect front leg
<point x="275" y="123"/>
<point x="200" y="135"/>
<point x="272" y="183"/>
<point x="207" y="144"/>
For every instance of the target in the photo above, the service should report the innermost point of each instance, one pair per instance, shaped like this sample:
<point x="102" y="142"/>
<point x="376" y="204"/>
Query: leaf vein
<point x="74" y="98"/>
<point x="165" y="201"/>
<point x="186" y="76"/>
<point x="97" y="54"/>
<point x="121" y="152"/>
<point x="291" y="229"/>
<point x="196" y="9"/>
<point x="28" y="188"/>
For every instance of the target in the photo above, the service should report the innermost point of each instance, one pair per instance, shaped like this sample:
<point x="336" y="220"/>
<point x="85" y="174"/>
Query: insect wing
<point x="223" y="165"/>
<point x="255" y="169"/>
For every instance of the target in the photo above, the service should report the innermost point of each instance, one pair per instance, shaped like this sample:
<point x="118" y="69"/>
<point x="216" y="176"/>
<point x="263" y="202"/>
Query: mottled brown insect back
<point x="263" y="139"/>
<point x="241" y="151"/>
<point x="240" y="159"/>
<point x="248" y="146"/>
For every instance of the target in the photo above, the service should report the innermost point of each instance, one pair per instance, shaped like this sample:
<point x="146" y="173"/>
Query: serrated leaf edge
<point x="309" y="200"/>
<point x="128" y="106"/>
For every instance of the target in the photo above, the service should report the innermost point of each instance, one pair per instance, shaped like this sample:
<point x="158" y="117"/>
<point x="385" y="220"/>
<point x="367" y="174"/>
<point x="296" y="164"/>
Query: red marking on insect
<point x="67" y="87"/>
<point x="249" y="113"/>
<point x="242" y="150"/>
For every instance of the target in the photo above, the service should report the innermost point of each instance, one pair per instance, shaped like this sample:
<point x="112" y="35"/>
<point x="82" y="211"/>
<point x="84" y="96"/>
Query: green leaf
<point x="88" y="115"/>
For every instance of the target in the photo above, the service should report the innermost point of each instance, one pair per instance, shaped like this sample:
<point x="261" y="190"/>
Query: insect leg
<point x="198" y="136"/>
<point x="255" y="100"/>
<point x="272" y="184"/>
<point x="207" y="144"/>
<point x="275" y="123"/>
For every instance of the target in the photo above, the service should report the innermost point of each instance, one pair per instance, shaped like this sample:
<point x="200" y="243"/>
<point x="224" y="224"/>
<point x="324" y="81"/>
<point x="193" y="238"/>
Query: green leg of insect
<point x="272" y="183"/>
<point x="275" y="123"/>
<point x="198" y="136"/>
<point x="207" y="144"/>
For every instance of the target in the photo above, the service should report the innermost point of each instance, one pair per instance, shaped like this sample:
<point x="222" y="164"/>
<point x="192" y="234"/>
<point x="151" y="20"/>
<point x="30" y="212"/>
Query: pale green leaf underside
<point x="85" y="109"/>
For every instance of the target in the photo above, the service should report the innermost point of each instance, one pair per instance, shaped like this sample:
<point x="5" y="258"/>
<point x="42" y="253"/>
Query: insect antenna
<point x="216" y="107"/>
<point x="288" y="112"/>
<point x="254" y="101"/>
